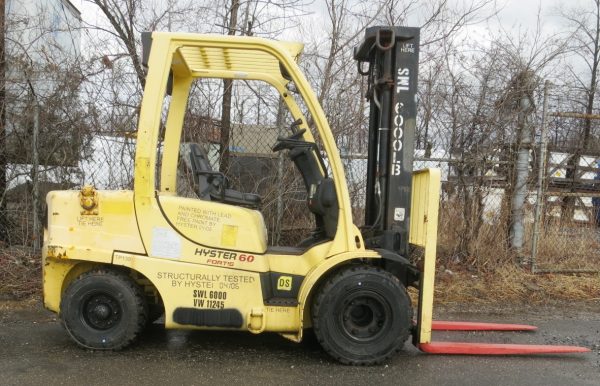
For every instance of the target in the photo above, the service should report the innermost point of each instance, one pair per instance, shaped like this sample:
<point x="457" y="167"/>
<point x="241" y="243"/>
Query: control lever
<point x="295" y="124"/>
<point x="291" y="141"/>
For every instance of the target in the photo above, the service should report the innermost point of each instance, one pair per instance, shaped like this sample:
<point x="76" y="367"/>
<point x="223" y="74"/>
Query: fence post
<point x="34" y="173"/>
<point x="279" y="208"/>
<point x="539" y="205"/>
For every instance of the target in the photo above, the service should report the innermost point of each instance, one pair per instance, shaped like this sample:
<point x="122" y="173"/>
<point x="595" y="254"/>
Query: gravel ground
<point x="35" y="350"/>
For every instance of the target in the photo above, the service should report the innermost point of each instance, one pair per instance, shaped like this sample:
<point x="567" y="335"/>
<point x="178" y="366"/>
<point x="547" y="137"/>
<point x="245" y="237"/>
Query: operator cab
<point x="237" y="164"/>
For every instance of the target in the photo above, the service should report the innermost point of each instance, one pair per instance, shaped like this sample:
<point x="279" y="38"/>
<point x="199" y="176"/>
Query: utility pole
<point x="35" y="160"/>
<point x="523" y="98"/>
<point x="540" y="199"/>
<point x="35" y="173"/>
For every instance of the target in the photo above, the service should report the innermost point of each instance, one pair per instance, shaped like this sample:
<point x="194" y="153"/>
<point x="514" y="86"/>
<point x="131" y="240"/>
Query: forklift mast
<point x="392" y="58"/>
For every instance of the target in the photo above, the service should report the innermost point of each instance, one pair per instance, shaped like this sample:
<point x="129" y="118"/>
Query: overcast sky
<point x="513" y="13"/>
<point x="521" y="15"/>
<point x="513" y="18"/>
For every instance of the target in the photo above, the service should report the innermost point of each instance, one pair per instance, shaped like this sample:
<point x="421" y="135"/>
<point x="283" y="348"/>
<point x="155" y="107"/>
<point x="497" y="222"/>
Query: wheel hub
<point x="363" y="317"/>
<point x="101" y="311"/>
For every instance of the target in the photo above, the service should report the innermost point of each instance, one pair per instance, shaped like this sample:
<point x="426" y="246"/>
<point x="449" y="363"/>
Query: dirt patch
<point x="24" y="310"/>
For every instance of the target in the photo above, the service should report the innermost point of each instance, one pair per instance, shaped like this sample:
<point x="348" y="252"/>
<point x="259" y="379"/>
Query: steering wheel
<point x="289" y="142"/>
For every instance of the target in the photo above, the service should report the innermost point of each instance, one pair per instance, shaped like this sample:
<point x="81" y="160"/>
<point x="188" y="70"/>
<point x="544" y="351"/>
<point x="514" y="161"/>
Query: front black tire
<point x="104" y="309"/>
<point x="362" y="315"/>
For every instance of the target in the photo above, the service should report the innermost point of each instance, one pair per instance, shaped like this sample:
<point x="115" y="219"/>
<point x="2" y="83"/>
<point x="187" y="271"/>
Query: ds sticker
<point x="284" y="283"/>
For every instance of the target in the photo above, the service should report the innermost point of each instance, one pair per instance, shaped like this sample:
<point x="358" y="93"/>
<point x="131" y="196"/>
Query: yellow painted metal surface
<point x="183" y="284"/>
<point x="54" y="273"/>
<point x="75" y="235"/>
<point x="174" y="124"/>
<point x="423" y="232"/>
<point x="214" y="224"/>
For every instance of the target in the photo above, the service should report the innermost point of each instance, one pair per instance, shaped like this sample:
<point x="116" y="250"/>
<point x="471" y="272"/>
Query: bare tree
<point x="257" y="17"/>
<point x="480" y="117"/>
<point x="585" y="24"/>
<point x="231" y="26"/>
<point x="128" y="18"/>
<point x="3" y="160"/>
<point x="44" y="122"/>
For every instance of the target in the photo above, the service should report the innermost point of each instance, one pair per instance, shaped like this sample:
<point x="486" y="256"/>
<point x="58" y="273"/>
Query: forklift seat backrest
<point x="199" y="162"/>
<point x="212" y="185"/>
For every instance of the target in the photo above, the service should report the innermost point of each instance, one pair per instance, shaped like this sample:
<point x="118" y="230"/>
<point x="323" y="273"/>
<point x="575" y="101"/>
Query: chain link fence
<point x="567" y="237"/>
<point x="477" y="209"/>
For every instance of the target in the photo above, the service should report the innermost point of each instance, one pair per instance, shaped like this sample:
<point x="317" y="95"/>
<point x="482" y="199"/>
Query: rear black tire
<point x="362" y="315"/>
<point x="104" y="309"/>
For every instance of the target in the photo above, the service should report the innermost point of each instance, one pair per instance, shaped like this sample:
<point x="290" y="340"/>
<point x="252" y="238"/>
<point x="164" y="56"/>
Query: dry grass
<point x="480" y="245"/>
<point x="20" y="273"/>
<point x="512" y="285"/>
<point x="569" y="246"/>
<point x="481" y="269"/>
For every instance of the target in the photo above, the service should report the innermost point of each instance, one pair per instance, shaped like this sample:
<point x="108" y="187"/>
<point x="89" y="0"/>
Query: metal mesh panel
<point x="568" y="236"/>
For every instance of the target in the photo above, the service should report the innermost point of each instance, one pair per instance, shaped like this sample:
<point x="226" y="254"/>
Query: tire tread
<point x="141" y="307"/>
<point x="316" y="319"/>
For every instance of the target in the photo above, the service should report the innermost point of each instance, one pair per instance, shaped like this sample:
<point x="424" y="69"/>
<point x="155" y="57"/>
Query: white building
<point x="45" y="29"/>
<point x="42" y="40"/>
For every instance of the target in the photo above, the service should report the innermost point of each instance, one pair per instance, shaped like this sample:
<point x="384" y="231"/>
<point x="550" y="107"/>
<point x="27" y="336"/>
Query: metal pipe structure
<point x="517" y="230"/>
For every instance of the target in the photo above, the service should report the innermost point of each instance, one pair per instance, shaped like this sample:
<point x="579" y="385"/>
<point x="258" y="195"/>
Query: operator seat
<point x="212" y="185"/>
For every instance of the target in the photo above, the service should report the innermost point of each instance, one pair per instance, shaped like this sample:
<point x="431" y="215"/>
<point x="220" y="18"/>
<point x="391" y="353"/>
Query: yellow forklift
<point x="115" y="260"/>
